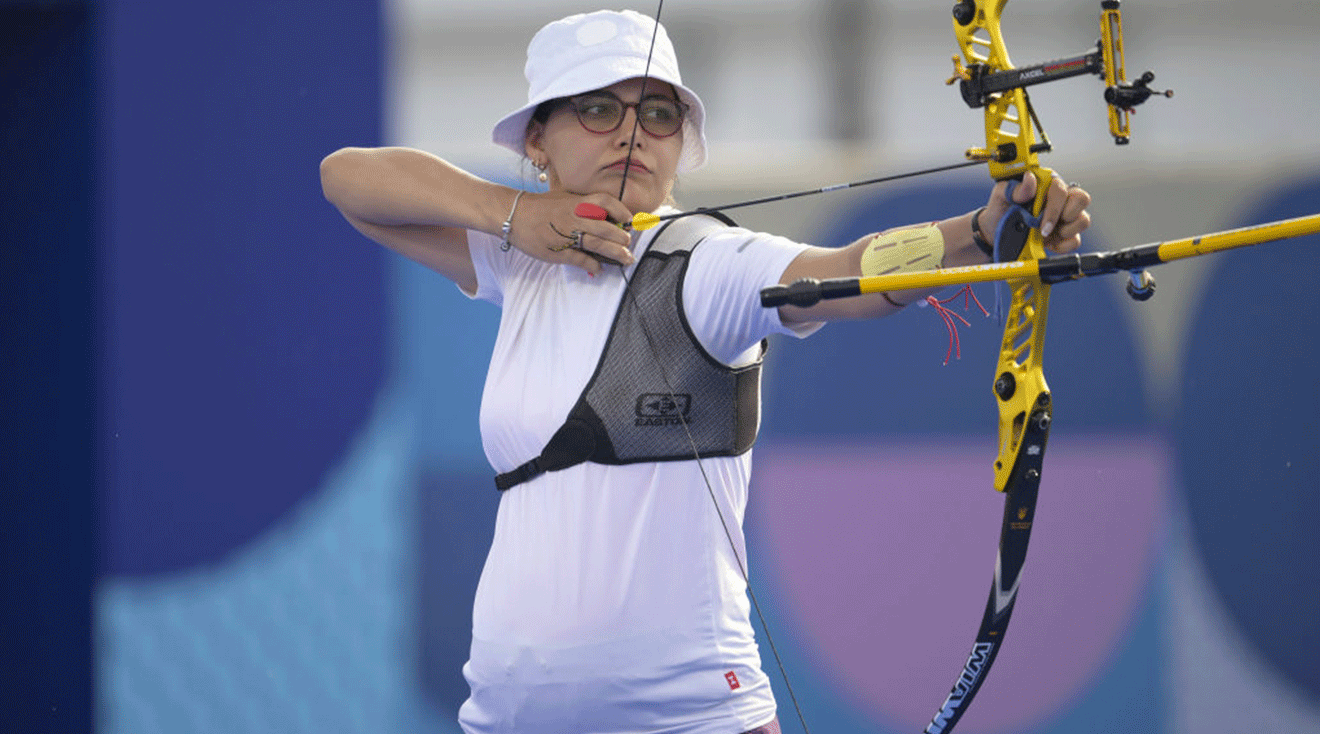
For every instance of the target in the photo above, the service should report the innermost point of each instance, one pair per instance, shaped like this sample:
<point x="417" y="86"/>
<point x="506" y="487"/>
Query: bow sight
<point x="980" y="85"/>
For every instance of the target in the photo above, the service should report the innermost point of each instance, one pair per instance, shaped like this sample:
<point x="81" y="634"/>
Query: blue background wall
<point x="244" y="335"/>
<point x="47" y="329"/>
<point x="244" y="489"/>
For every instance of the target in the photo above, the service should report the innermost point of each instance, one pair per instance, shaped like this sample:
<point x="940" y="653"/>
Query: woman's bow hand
<point x="1062" y="221"/>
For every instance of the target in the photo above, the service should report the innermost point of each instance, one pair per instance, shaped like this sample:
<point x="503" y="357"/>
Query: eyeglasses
<point x="603" y="112"/>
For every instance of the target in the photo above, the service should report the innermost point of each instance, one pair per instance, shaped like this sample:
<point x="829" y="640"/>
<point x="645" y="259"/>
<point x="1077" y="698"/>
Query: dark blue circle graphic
<point x="1248" y="439"/>
<point x="245" y="319"/>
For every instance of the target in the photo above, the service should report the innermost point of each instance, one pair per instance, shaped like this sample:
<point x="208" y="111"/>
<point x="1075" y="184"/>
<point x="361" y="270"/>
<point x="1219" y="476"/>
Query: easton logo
<point x="966" y="685"/>
<point x="732" y="679"/>
<point x="662" y="409"/>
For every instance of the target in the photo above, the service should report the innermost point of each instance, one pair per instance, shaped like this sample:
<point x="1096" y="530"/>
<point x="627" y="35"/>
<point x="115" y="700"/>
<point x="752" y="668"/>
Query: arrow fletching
<point x="644" y="220"/>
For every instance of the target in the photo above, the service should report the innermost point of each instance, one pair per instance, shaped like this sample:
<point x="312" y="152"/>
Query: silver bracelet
<point x="507" y="227"/>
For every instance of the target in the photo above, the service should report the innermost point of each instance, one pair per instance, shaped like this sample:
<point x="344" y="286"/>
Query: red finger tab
<point x="587" y="210"/>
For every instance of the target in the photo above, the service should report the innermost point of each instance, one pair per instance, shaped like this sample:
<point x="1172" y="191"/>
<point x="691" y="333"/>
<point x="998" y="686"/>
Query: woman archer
<point x="622" y="396"/>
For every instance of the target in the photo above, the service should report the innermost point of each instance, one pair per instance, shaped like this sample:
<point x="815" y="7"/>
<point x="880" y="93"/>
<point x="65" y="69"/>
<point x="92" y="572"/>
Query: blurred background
<point x="242" y="482"/>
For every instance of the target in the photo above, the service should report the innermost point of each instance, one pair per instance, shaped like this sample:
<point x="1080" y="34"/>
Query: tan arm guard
<point x="904" y="251"/>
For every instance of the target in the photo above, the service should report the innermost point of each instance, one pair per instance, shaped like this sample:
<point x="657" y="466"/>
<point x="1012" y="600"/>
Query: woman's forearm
<point x="403" y="186"/>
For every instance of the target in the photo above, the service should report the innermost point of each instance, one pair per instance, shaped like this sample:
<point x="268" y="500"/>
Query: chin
<point x="643" y="201"/>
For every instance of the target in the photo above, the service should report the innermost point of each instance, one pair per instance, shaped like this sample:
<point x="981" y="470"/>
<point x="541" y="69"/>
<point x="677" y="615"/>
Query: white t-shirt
<point x="611" y="600"/>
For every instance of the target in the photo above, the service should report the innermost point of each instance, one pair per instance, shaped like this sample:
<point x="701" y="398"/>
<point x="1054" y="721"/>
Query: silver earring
<point x="542" y="176"/>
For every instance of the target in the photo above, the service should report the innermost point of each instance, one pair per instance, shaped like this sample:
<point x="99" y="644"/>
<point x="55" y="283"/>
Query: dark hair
<point x="543" y="110"/>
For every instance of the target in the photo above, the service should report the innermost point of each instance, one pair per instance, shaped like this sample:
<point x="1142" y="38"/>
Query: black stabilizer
<point x="809" y="291"/>
<point x="1058" y="268"/>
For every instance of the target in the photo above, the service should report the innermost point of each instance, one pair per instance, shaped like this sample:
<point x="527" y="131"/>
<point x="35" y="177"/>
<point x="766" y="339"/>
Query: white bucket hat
<point x="590" y="51"/>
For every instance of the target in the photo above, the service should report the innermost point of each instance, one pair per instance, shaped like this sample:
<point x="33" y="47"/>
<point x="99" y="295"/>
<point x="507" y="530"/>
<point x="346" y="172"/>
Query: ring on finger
<point x="574" y="239"/>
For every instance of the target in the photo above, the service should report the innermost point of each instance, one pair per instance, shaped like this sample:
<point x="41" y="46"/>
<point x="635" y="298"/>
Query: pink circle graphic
<point x="884" y="555"/>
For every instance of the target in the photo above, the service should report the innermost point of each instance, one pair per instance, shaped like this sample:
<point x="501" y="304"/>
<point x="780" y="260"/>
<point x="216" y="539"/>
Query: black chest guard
<point x="656" y="395"/>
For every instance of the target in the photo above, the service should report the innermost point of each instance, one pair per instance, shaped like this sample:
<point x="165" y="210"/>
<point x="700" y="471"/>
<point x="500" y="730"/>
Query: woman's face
<point x="580" y="161"/>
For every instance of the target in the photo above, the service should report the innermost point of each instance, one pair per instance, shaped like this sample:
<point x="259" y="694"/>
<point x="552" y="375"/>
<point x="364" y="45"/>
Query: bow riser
<point x="1011" y="150"/>
<point x="976" y="24"/>
<point x="1020" y="377"/>
<point x="1019" y="382"/>
<point x="1009" y="130"/>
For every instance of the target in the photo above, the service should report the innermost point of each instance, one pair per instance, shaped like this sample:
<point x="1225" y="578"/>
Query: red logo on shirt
<point x="732" y="678"/>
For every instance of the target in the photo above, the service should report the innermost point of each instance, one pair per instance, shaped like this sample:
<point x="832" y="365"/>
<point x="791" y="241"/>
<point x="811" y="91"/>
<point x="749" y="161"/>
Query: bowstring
<point x="687" y="430"/>
<point x="637" y="111"/>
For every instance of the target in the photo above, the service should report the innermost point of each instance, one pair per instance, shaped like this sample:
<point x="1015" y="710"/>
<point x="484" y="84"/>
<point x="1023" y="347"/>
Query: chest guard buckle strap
<point x="656" y="395"/>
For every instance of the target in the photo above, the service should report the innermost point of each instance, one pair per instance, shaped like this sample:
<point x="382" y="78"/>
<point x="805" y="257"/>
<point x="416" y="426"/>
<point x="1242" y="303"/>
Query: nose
<point x="629" y="131"/>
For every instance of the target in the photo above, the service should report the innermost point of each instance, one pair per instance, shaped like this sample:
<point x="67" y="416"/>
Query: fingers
<point x="1001" y="201"/>
<point x="608" y="234"/>
<point x="1025" y="191"/>
<point x="606" y="238"/>
<point x="618" y="213"/>
<point x="1065" y="211"/>
<point x="566" y="229"/>
<point x="1075" y="206"/>
<point x="1063" y="217"/>
<point x="578" y="258"/>
<point x="1055" y="196"/>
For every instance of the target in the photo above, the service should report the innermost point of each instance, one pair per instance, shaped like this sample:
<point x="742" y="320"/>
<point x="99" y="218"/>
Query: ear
<point x="533" y="141"/>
